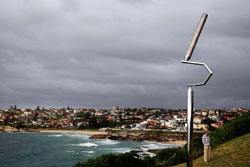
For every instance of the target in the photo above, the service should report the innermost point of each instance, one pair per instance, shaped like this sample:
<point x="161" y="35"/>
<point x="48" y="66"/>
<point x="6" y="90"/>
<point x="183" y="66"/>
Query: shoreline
<point x="89" y="132"/>
<point x="179" y="142"/>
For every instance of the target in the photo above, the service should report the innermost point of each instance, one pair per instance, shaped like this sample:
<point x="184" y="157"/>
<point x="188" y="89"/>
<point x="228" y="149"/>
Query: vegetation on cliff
<point x="232" y="129"/>
<point x="120" y="160"/>
<point x="236" y="127"/>
<point x="164" y="158"/>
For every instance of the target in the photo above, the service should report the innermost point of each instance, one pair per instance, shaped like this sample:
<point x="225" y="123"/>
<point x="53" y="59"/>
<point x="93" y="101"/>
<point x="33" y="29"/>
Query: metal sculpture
<point x="190" y="101"/>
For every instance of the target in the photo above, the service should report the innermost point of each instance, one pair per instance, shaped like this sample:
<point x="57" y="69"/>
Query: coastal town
<point x="113" y="119"/>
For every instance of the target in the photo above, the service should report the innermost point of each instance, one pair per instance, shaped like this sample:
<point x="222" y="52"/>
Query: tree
<point x="209" y="121"/>
<point x="38" y="108"/>
<point x="18" y="124"/>
<point x="93" y="123"/>
<point x="171" y="156"/>
<point x="104" y="123"/>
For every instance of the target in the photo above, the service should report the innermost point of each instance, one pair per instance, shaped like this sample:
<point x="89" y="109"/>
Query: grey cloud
<point x="98" y="54"/>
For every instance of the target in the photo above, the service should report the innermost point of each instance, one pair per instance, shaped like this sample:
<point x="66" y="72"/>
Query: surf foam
<point x="88" y="144"/>
<point x="108" y="142"/>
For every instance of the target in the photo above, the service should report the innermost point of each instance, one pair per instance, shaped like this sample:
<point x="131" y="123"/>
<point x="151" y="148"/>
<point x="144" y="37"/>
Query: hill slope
<point x="235" y="152"/>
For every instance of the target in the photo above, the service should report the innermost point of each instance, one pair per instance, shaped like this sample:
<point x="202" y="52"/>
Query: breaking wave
<point x="108" y="142"/>
<point x="54" y="135"/>
<point x="118" y="150"/>
<point x="89" y="152"/>
<point x="155" y="145"/>
<point x="70" y="151"/>
<point x="88" y="144"/>
<point x="76" y="135"/>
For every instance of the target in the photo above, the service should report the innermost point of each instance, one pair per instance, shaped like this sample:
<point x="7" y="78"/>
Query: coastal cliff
<point x="142" y="135"/>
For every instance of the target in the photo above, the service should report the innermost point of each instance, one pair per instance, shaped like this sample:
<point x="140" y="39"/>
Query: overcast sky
<point x="95" y="53"/>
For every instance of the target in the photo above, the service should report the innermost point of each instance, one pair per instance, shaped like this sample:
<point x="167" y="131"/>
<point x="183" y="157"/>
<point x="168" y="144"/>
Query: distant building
<point x="115" y="107"/>
<point x="197" y="120"/>
<point x="214" y="117"/>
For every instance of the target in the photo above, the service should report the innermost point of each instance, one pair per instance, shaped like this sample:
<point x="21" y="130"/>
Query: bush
<point x="171" y="156"/>
<point x="198" y="147"/>
<point x="232" y="129"/>
<point x="166" y="157"/>
<point x="120" y="160"/>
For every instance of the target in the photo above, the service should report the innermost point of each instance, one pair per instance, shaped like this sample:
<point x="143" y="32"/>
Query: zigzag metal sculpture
<point x="190" y="90"/>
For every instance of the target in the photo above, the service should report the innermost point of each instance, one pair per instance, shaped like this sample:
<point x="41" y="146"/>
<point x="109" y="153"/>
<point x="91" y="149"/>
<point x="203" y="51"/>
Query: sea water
<point x="62" y="149"/>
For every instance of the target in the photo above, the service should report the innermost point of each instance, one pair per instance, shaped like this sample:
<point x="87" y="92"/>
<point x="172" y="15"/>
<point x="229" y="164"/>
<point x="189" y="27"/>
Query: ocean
<point x="62" y="149"/>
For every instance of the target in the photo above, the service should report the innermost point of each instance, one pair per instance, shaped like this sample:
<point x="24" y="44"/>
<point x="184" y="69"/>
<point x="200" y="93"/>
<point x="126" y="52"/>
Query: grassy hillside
<point x="235" y="152"/>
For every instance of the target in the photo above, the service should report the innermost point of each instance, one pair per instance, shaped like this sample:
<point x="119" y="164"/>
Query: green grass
<point x="235" y="152"/>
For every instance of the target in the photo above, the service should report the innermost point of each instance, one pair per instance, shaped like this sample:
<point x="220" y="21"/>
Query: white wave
<point x="160" y="144"/>
<point x="89" y="152"/>
<point x="118" y="150"/>
<point x="146" y="153"/>
<point x="155" y="145"/>
<point x="150" y="146"/>
<point x="122" y="150"/>
<point x="54" y="135"/>
<point x="26" y="132"/>
<point x="77" y="135"/>
<point x="88" y="144"/>
<point x="70" y="151"/>
<point x="108" y="142"/>
<point x="144" y="148"/>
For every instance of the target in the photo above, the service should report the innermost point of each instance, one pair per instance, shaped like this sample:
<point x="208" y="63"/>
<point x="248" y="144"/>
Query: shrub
<point x="171" y="156"/>
<point x="120" y="160"/>
<point x="234" y="128"/>
<point x="198" y="147"/>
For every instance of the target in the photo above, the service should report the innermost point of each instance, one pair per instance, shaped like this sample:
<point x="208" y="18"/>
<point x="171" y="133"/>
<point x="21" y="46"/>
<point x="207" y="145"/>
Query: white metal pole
<point x="190" y="126"/>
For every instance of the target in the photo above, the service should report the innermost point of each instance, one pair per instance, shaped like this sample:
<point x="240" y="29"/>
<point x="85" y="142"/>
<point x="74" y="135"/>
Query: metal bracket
<point x="202" y="64"/>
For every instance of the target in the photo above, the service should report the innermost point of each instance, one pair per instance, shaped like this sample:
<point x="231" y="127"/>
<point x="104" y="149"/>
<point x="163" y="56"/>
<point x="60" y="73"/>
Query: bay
<point x="61" y="149"/>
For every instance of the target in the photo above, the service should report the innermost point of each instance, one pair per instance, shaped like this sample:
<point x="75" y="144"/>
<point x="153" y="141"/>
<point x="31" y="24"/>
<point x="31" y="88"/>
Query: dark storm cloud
<point x="98" y="54"/>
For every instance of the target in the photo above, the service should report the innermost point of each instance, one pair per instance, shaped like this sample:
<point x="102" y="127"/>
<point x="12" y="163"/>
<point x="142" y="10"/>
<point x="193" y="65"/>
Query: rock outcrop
<point x="139" y="136"/>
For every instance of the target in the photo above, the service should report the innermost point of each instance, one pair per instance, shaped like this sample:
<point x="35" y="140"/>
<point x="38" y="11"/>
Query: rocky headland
<point x="143" y="135"/>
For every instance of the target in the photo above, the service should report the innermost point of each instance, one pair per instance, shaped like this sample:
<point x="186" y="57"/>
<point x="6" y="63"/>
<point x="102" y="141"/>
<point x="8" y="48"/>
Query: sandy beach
<point x="72" y="131"/>
<point x="179" y="142"/>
